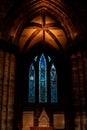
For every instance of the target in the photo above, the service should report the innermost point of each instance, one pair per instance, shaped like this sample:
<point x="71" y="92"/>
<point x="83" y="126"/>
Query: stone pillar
<point x="79" y="83"/>
<point x="5" y="92"/>
<point x="75" y="92"/>
<point x="11" y="93"/>
<point x="7" y="84"/>
<point x="82" y="87"/>
<point x="75" y="82"/>
<point x="1" y="79"/>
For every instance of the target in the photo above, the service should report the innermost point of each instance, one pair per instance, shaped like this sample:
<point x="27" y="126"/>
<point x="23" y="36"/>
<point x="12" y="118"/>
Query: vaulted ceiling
<point x="42" y="29"/>
<point x="48" y="22"/>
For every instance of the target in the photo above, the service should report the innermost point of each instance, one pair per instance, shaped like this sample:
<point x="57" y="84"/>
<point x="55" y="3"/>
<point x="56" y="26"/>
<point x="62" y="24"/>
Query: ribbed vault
<point x="42" y="29"/>
<point x="42" y="21"/>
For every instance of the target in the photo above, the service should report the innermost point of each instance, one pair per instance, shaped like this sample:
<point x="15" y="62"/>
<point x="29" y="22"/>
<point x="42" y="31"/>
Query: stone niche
<point x="28" y="120"/>
<point x="59" y="121"/>
<point x="43" y="120"/>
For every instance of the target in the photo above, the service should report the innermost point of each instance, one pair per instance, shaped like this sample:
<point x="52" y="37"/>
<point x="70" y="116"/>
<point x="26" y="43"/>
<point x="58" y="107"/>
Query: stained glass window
<point x="31" y="84"/>
<point x="53" y="84"/>
<point x="42" y="79"/>
<point x="35" y="59"/>
<point x="49" y="59"/>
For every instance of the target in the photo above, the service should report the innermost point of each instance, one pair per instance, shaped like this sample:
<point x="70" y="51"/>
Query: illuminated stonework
<point x="45" y="30"/>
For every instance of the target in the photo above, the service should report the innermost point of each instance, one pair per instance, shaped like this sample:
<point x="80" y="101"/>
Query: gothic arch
<point x="30" y="9"/>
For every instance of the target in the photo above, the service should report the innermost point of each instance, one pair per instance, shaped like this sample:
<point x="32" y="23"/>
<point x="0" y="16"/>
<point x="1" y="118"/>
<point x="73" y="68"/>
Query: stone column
<point x="11" y="93"/>
<point x="5" y="92"/>
<point x="75" y="91"/>
<point x="82" y="87"/>
<point x="7" y="84"/>
<point x="1" y="79"/>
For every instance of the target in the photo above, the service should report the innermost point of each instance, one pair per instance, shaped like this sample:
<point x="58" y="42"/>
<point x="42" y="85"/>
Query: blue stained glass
<point x="42" y="79"/>
<point x="49" y="58"/>
<point x="53" y="84"/>
<point x="31" y="97"/>
<point x="35" y="59"/>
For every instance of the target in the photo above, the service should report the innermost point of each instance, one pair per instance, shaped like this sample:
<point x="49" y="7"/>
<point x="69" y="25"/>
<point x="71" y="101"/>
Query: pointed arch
<point x="53" y="84"/>
<point x="31" y="97"/>
<point x="28" y="10"/>
<point x="42" y="79"/>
